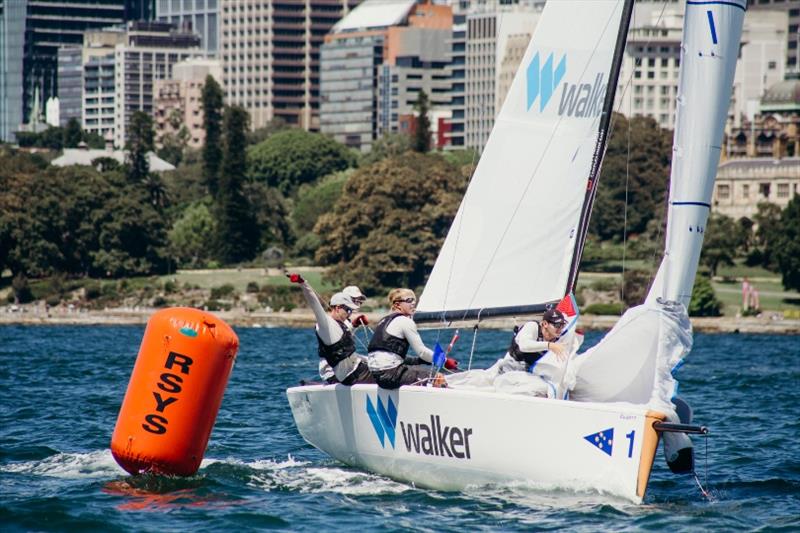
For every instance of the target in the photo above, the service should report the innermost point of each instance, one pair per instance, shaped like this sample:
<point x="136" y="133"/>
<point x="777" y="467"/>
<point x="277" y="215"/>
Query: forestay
<point x="512" y="242"/>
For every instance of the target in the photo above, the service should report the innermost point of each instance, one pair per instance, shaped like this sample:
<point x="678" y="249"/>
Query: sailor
<point x="354" y="321"/>
<point x="524" y="369"/>
<point x="394" y="334"/>
<point x="534" y="339"/>
<point x="334" y="335"/>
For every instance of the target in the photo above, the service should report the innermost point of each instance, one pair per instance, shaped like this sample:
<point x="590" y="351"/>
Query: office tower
<point x="12" y="44"/>
<point x="201" y="16"/>
<point x="270" y="56"/>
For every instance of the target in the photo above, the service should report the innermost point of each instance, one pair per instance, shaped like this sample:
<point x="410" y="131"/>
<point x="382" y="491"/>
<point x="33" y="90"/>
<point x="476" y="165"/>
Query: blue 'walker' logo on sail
<point x="542" y="81"/>
<point x="383" y="418"/>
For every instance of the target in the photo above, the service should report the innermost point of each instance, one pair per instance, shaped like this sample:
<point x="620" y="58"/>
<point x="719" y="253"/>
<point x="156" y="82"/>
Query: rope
<point x="705" y="492"/>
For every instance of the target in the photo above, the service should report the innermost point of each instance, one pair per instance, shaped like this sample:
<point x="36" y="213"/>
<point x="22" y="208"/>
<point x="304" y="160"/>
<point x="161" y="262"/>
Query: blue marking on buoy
<point x="189" y="332"/>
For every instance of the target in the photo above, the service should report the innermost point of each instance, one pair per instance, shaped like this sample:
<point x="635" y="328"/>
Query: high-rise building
<point x="149" y="53"/>
<point x="457" y="66"/>
<point x="201" y="16"/>
<point x="417" y="60"/>
<point x="492" y="55"/>
<point x="270" y="56"/>
<point x="792" y="27"/>
<point x="648" y="81"/>
<point x="70" y="83"/>
<point x="97" y="113"/>
<point x="12" y="45"/>
<point x="374" y="64"/>
<point x="50" y="24"/>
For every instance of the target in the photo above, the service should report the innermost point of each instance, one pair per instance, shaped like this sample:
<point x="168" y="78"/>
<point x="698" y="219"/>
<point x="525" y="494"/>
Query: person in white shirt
<point x="335" y="340"/>
<point x="393" y="336"/>
<point x="355" y="320"/>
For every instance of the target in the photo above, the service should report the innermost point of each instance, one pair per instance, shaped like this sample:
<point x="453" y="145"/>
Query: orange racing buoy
<point x="174" y="393"/>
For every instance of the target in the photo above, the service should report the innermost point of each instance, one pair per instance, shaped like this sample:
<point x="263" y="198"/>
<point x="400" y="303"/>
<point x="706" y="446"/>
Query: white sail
<point x="711" y="34"/>
<point x="649" y="340"/>
<point x="514" y="237"/>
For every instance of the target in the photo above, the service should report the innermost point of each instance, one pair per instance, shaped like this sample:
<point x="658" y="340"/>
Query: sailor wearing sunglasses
<point x="394" y="334"/>
<point x="335" y="339"/>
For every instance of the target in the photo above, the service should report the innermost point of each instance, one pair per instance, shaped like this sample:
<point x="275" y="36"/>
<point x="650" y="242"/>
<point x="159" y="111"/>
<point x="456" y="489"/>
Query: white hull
<point x="449" y="439"/>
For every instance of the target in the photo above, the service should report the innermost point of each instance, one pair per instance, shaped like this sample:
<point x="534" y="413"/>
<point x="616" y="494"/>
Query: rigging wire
<point x="705" y="492"/>
<point x="628" y="81"/>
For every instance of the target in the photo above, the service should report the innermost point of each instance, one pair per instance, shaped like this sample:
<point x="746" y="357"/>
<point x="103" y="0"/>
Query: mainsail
<point x="514" y="243"/>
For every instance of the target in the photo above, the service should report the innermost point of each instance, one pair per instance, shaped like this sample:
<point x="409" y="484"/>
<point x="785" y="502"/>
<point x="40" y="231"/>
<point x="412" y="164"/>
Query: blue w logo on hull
<point x="543" y="81"/>
<point x="384" y="419"/>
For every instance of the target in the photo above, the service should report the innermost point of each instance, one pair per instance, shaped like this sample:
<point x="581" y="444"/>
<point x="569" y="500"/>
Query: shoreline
<point x="303" y="319"/>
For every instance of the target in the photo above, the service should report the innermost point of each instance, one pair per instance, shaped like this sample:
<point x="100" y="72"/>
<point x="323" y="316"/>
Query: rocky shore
<point x="770" y="323"/>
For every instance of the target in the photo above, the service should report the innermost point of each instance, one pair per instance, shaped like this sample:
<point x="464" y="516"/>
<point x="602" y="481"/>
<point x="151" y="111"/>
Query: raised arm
<point x="328" y="329"/>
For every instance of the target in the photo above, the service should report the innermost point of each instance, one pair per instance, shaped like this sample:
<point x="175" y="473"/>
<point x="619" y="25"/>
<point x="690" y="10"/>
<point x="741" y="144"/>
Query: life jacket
<point x="384" y="342"/>
<point x="339" y="350"/>
<point x="529" y="358"/>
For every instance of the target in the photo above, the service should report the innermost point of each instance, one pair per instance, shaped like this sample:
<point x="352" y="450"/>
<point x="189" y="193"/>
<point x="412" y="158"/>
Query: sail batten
<point x="515" y="236"/>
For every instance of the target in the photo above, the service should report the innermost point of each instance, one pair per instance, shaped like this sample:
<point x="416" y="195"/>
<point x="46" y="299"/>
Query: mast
<point x="600" y="147"/>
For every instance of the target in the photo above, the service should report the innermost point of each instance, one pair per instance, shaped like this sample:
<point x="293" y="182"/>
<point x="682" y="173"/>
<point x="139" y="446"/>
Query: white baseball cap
<point x="341" y="298"/>
<point x="353" y="292"/>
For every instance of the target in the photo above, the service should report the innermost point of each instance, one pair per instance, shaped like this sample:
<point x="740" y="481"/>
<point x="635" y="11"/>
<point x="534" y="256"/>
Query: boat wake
<point x="96" y="464"/>
<point x="304" y="476"/>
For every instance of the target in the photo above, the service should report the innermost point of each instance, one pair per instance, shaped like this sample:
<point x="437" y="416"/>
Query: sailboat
<point x="514" y="248"/>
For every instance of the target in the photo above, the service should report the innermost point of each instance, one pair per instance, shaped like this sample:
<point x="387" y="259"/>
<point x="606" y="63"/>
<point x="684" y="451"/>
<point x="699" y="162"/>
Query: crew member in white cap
<point x="334" y="335"/>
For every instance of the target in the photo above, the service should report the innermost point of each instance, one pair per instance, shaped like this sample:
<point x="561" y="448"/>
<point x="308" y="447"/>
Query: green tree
<point x="787" y="253"/>
<point x="73" y="134"/>
<point x="720" y="242"/>
<point x="140" y="143"/>
<point x="390" y="221"/>
<point x="174" y="143"/>
<point x="315" y="200"/>
<point x="272" y="215"/>
<point x="291" y="158"/>
<point x="237" y="233"/>
<point x="388" y="145"/>
<point x="422" y="131"/>
<point x="704" y="302"/>
<point x="191" y="235"/>
<point x="645" y="169"/>
<point x="212" y="122"/>
<point x="265" y="132"/>
<point x="768" y="220"/>
<point x="132" y="237"/>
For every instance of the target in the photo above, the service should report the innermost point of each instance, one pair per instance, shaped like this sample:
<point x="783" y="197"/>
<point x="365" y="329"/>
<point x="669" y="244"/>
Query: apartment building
<point x="148" y="54"/>
<point x="180" y="99"/>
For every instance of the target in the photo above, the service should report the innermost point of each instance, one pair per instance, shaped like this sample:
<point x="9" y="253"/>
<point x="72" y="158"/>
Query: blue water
<point x="61" y="389"/>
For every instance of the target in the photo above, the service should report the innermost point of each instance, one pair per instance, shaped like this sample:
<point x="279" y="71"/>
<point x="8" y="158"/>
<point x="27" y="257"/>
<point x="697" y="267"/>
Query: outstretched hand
<point x="360" y="320"/>
<point x="559" y="350"/>
<point x="295" y="278"/>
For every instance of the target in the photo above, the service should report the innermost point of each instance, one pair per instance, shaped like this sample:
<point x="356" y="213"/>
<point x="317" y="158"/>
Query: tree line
<point x="280" y="193"/>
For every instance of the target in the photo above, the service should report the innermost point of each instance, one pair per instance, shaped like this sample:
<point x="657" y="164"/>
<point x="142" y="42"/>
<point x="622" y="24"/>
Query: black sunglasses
<point x="406" y="300"/>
